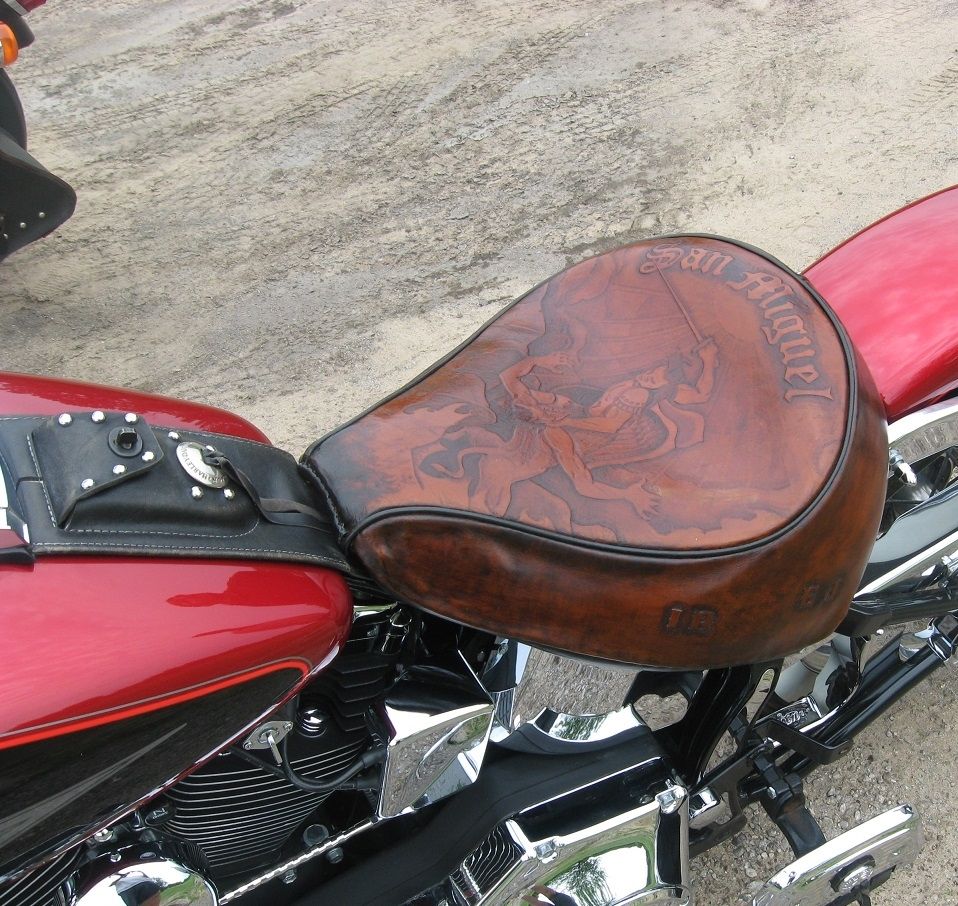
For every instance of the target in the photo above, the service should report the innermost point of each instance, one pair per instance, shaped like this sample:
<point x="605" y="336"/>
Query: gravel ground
<point x="288" y="207"/>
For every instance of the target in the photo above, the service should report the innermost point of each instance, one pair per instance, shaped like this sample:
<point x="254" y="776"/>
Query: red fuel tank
<point x="120" y="674"/>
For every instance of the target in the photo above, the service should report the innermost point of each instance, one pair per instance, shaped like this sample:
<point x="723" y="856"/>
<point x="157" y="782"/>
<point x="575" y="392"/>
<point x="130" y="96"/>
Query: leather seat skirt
<point x="666" y="455"/>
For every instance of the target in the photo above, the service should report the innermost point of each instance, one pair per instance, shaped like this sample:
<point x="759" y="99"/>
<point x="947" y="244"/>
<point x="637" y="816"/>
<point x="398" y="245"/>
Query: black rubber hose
<point x="340" y="782"/>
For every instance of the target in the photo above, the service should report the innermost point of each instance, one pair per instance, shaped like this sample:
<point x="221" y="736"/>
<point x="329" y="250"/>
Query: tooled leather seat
<point x="665" y="455"/>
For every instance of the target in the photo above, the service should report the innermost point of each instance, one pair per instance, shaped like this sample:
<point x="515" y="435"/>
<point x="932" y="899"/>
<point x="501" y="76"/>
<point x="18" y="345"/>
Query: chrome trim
<point x="899" y="464"/>
<point x="701" y="804"/>
<point x="372" y="610"/>
<point x="4" y="502"/>
<point x="149" y="879"/>
<point x="540" y="693"/>
<point x="928" y="431"/>
<point x="191" y="458"/>
<point x="438" y="726"/>
<point x="294" y="863"/>
<point x="886" y="841"/>
<point x="574" y="732"/>
<point x="269" y="736"/>
<point x="914" y="567"/>
<point x="18" y="526"/>
<point x="638" y="856"/>
<point x="568" y="685"/>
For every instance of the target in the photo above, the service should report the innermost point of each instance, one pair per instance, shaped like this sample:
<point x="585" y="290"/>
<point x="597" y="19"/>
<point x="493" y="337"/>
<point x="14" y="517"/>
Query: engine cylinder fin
<point x="42" y="887"/>
<point x="242" y="816"/>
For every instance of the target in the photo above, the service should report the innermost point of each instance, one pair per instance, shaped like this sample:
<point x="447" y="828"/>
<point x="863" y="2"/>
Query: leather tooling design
<point x="670" y="394"/>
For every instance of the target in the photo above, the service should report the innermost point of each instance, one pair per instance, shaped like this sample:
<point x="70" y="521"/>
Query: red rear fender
<point x="895" y="287"/>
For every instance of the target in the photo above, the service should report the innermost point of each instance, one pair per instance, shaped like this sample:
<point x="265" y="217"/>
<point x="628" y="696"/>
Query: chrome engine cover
<point x="584" y="848"/>
<point x="145" y="874"/>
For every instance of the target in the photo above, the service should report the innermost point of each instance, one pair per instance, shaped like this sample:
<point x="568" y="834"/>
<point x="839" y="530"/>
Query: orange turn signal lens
<point x="8" y="41"/>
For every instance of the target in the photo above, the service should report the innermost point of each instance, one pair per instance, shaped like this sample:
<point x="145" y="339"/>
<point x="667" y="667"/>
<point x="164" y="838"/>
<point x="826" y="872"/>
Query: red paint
<point x="22" y="394"/>
<point x="895" y="287"/>
<point x="96" y="639"/>
<point x="62" y="728"/>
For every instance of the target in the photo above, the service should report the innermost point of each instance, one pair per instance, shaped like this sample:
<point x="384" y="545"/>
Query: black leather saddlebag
<point x="106" y="483"/>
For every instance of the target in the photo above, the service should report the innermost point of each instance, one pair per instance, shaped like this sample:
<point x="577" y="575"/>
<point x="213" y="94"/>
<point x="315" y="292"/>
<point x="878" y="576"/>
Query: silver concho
<point x="190" y="455"/>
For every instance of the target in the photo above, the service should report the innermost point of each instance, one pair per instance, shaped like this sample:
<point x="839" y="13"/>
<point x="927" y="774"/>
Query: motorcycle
<point x="33" y="202"/>
<point x="235" y="675"/>
<point x="347" y="678"/>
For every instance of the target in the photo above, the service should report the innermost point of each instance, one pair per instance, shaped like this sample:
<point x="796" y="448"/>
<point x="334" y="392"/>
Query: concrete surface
<point x="288" y="207"/>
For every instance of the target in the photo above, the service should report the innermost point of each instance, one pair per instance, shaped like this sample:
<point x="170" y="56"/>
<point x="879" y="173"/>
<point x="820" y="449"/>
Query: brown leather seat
<point x="665" y="455"/>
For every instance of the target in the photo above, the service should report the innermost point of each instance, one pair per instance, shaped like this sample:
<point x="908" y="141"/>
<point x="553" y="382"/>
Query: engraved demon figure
<point x="637" y="419"/>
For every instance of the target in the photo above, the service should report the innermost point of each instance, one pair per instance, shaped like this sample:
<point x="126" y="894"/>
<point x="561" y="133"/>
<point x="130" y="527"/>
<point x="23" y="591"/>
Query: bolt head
<point x="131" y="418"/>
<point x="115" y="857"/>
<point x="855" y="878"/>
<point x="173" y="435"/>
<point x="101" y="836"/>
<point x="669" y="800"/>
<point x="315" y="834"/>
<point x="149" y="456"/>
<point x="42" y="215"/>
<point x="98" y="416"/>
<point x="65" y="419"/>
<point x="157" y="815"/>
<point x="336" y="855"/>
<point x="289" y="877"/>
<point x="87" y="483"/>
<point x="196" y="491"/>
<point x="229" y="493"/>
<point x="23" y="226"/>
<point x="547" y="850"/>
<point x="119" y="469"/>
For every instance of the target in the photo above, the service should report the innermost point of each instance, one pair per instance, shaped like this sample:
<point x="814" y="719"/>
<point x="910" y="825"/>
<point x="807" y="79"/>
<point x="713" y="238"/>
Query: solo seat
<point x="666" y="455"/>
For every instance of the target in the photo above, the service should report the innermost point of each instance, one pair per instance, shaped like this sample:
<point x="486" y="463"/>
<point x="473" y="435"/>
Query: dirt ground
<point x="289" y="207"/>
